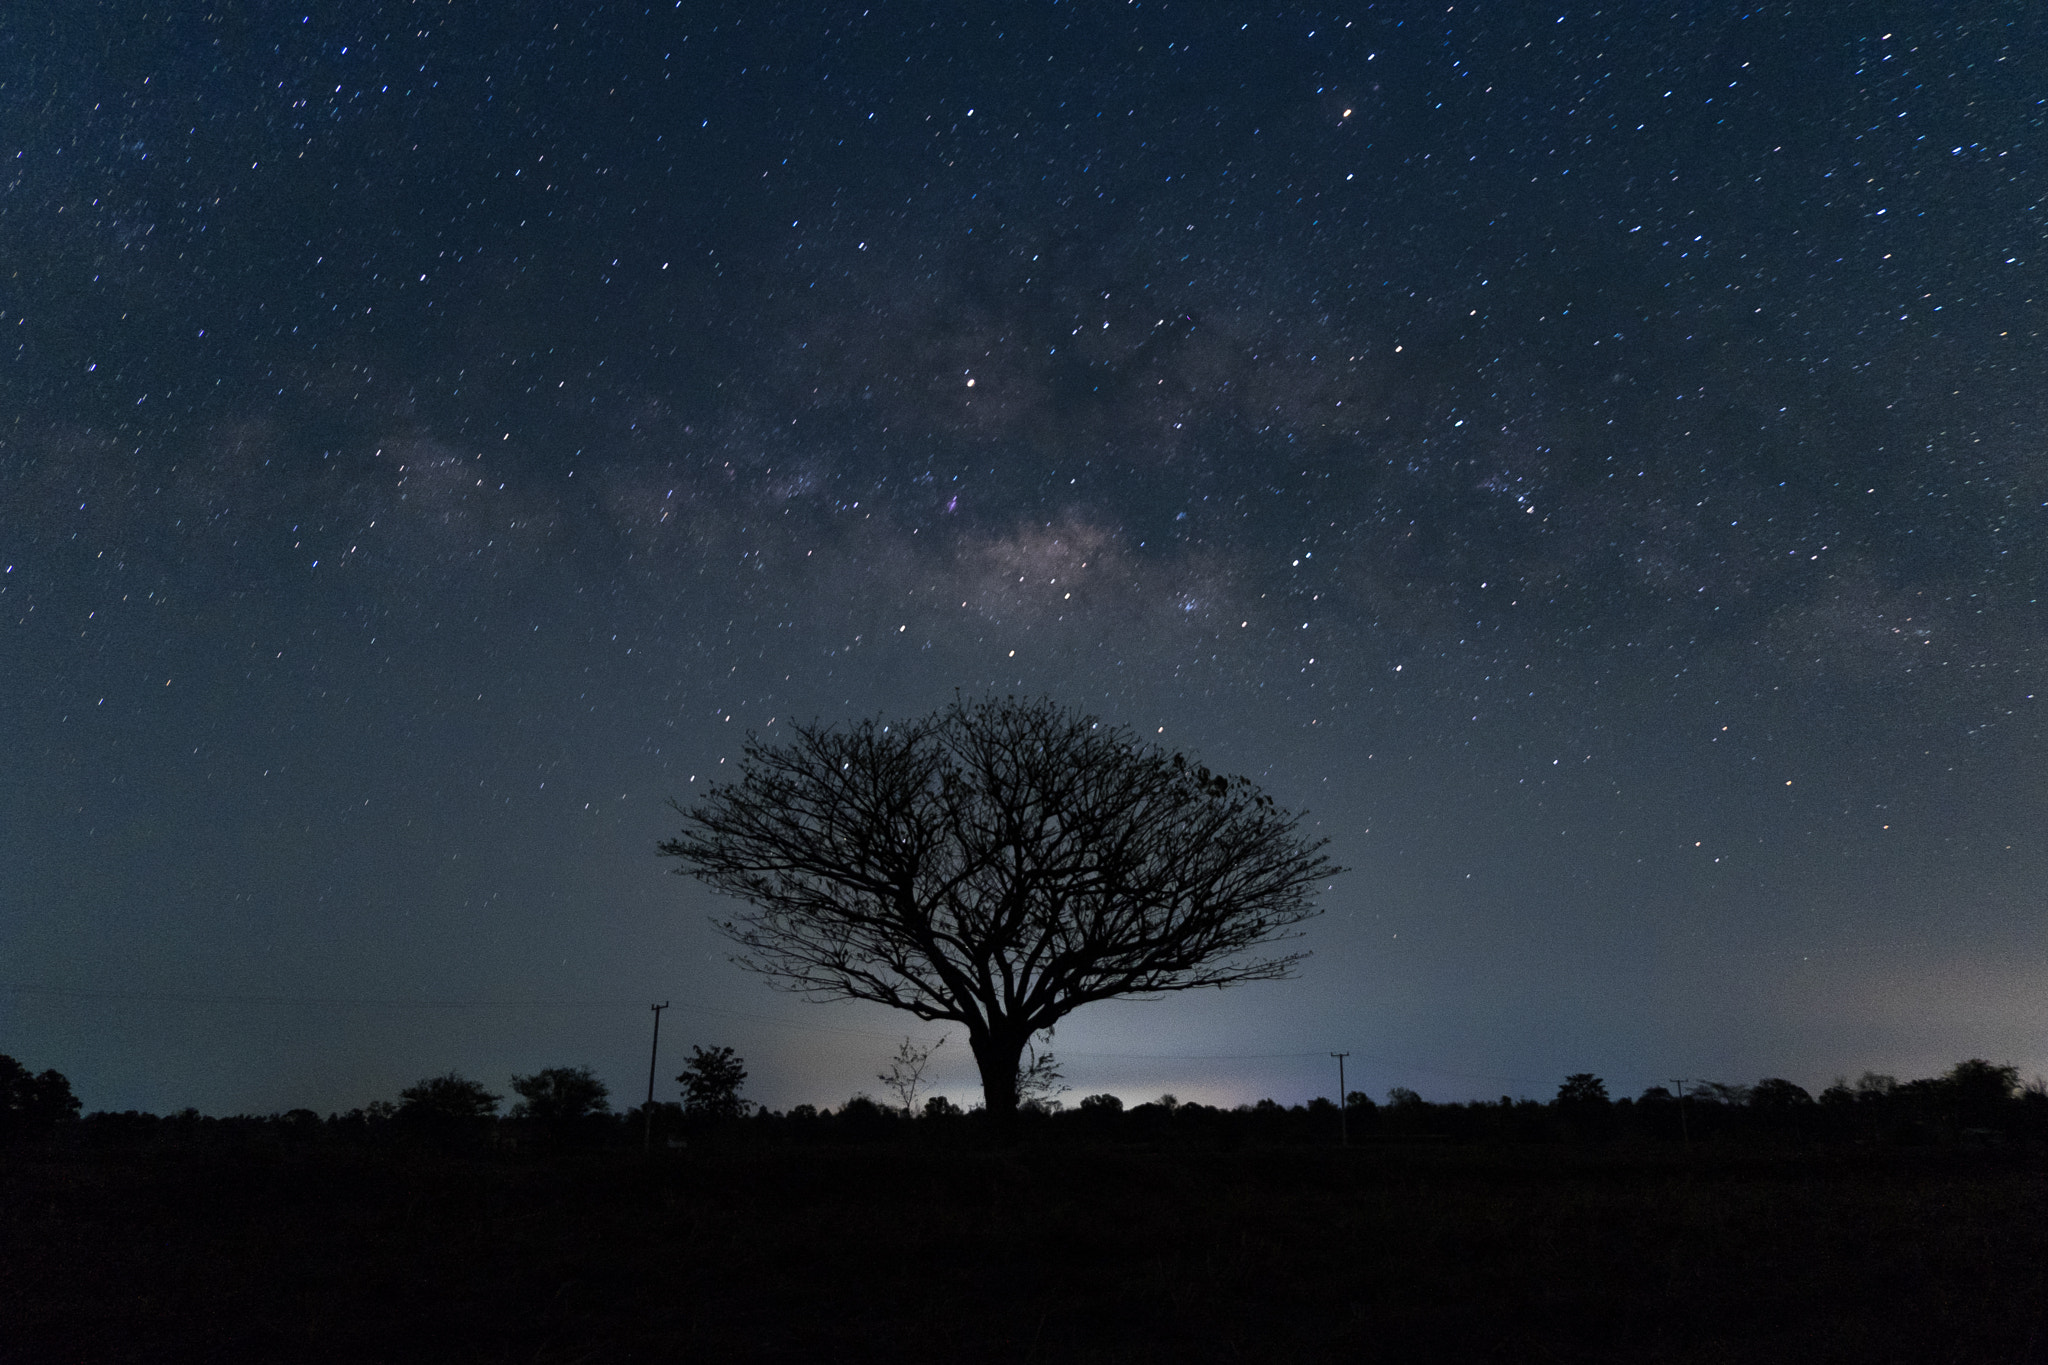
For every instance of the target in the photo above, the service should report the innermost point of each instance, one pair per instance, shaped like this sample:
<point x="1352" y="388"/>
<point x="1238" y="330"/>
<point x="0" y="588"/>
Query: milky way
<point x="1590" y="460"/>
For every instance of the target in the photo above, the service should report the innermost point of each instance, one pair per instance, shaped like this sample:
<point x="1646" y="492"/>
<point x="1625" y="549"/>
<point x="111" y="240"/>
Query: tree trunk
<point x="997" y="1055"/>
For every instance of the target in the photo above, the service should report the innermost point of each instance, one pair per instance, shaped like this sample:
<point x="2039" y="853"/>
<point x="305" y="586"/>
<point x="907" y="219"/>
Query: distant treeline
<point x="1973" y="1102"/>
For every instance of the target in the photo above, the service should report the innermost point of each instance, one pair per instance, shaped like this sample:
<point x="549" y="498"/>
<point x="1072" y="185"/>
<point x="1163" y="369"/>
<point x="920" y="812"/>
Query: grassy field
<point x="1070" y="1253"/>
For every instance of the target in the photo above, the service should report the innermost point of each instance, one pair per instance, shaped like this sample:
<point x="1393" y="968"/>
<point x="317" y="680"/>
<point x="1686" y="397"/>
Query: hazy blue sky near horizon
<point x="1592" y="460"/>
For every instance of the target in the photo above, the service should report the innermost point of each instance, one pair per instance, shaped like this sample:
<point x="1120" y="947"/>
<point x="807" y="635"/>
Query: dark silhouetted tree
<point x="1719" y="1092"/>
<point x="31" y="1105"/>
<point x="450" y="1097"/>
<point x="1780" y="1106"/>
<point x="447" y="1108"/>
<point x="1583" y="1106"/>
<point x="1582" y="1090"/>
<point x="560" y="1096"/>
<point x="1979" y="1081"/>
<point x="861" y="1115"/>
<point x="1980" y="1091"/>
<point x="711" y="1084"/>
<point x="999" y="865"/>
<point x="1777" y="1093"/>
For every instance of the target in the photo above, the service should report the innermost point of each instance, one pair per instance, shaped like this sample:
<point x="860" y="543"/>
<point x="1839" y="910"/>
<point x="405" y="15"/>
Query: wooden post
<point x="647" y="1136"/>
<point x="1343" y="1103"/>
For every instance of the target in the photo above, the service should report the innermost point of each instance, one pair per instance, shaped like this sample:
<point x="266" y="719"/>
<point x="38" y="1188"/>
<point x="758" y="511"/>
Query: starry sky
<point x="1590" y="460"/>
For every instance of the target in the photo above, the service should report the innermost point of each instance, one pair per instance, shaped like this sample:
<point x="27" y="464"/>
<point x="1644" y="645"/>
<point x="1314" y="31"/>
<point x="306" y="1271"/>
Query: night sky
<point x="1594" y="461"/>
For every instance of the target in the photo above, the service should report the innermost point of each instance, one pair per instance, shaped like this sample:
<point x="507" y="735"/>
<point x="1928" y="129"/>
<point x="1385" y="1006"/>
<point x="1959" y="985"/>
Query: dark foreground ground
<point x="1027" y="1254"/>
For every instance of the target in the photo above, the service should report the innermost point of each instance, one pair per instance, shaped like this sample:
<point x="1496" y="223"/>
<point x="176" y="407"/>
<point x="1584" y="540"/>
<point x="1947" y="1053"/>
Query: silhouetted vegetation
<point x="905" y="1077"/>
<point x="451" y="1110"/>
<point x="711" y="1084"/>
<point x="31" y="1105"/>
<point x="562" y="1104"/>
<point x="1880" y="1222"/>
<point x="1973" y="1104"/>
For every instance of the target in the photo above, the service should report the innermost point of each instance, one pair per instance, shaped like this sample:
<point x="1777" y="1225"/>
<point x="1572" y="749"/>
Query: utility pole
<point x="1343" y="1102"/>
<point x="647" y="1137"/>
<point x="1684" y="1128"/>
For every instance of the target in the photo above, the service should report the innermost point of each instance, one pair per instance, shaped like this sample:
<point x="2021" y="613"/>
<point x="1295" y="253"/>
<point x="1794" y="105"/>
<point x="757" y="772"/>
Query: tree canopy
<point x="998" y="864"/>
<point x="711" y="1083"/>
<point x="1582" y="1089"/>
<point x="560" y="1095"/>
<point x="32" y="1104"/>
<point x="447" y="1101"/>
